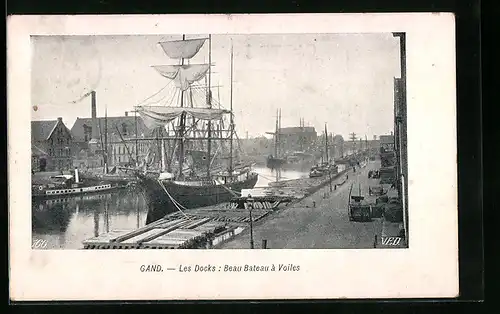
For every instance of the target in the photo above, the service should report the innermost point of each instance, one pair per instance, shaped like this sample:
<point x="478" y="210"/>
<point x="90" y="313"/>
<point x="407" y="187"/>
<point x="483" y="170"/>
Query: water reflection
<point x="66" y="222"/>
<point x="267" y="175"/>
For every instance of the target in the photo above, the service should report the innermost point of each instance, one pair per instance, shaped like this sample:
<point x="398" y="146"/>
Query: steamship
<point x="45" y="185"/>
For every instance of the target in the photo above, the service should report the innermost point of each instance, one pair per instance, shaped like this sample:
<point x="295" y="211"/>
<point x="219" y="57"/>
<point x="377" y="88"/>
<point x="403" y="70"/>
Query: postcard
<point x="292" y="156"/>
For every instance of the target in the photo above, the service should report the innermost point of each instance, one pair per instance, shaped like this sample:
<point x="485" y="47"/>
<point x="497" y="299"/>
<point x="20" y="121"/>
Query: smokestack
<point x="95" y="133"/>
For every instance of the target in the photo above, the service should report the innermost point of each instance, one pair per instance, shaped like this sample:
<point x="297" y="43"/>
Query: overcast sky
<point x="344" y="80"/>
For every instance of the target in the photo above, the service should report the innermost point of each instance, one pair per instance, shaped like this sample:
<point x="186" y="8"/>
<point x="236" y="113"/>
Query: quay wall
<point x="315" y="184"/>
<point x="325" y="182"/>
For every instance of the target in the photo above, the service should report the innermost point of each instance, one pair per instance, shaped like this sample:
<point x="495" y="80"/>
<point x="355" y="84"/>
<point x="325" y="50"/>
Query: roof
<point x="386" y="139"/>
<point x="297" y="129"/>
<point x="41" y="130"/>
<point x="36" y="151"/>
<point x="113" y="122"/>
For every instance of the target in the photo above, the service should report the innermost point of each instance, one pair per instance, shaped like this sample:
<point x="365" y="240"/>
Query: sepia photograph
<point x="275" y="141"/>
<point x="229" y="157"/>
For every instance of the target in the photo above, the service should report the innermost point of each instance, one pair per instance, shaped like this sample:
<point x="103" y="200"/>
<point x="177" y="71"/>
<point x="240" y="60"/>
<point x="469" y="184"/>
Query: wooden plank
<point x="171" y="223"/>
<point x="137" y="239"/>
<point x="139" y="231"/>
<point x="105" y="238"/>
<point x="197" y="223"/>
<point x="164" y="231"/>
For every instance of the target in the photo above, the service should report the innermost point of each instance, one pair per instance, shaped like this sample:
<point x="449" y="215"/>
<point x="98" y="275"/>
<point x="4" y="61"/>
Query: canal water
<point x="65" y="223"/>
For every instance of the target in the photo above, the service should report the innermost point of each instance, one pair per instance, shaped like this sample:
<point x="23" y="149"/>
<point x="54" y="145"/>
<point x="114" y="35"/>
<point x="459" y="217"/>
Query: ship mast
<point x="106" y="150"/>
<point x="209" y="100"/>
<point x="184" y="75"/>
<point x="326" y="144"/>
<point x="279" y="133"/>
<point x="232" y="118"/>
<point x="182" y="127"/>
<point x="276" y="136"/>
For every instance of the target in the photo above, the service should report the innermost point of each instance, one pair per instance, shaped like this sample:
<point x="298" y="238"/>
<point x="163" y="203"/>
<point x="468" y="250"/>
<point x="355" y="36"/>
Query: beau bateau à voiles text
<point x="224" y="268"/>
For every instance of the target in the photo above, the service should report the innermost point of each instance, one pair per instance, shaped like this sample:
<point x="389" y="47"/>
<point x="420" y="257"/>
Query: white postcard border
<point x="429" y="268"/>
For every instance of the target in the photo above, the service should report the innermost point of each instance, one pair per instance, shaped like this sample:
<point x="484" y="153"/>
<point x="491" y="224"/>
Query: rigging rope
<point x="176" y="204"/>
<point x="231" y="191"/>
<point x="268" y="178"/>
<point x="173" y="96"/>
<point x="155" y="93"/>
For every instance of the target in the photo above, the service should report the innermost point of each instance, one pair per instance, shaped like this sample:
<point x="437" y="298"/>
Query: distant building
<point x="120" y="152"/>
<point x="51" y="146"/>
<point x="297" y="139"/>
<point x="387" y="143"/>
<point x="38" y="159"/>
<point x="83" y="159"/>
<point x="338" y="146"/>
<point x="256" y="146"/>
<point x="387" y="152"/>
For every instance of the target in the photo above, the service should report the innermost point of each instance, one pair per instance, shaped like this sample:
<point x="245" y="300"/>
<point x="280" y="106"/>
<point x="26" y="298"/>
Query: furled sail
<point x="186" y="49"/>
<point x="159" y="116"/>
<point x="183" y="75"/>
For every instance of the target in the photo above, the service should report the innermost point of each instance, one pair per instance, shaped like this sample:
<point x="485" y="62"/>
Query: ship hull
<point x="161" y="204"/>
<point x="74" y="191"/>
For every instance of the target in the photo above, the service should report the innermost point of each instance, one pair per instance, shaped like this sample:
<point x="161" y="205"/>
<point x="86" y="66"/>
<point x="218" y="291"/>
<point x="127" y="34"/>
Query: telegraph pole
<point x="353" y="139"/>
<point x="251" y="223"/>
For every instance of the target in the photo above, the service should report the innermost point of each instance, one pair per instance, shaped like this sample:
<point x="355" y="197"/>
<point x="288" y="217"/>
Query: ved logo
<point x="392" y="241"/>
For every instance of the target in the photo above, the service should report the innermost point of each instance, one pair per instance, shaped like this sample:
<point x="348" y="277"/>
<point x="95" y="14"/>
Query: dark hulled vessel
<point x="166" y="196"/>
<point x="194" y="166"/>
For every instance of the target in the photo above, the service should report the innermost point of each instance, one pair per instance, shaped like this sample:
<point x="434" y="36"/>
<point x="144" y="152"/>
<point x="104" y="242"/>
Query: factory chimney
<point x="95" y="132"/>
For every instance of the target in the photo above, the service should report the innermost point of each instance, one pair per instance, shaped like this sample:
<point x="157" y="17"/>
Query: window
<point x="87" y="131"/>
<point x="124" y="129"/>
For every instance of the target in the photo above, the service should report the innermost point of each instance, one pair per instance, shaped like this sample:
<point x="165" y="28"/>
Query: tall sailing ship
<point x="193" y="162"/>
<point x="299" y="160"/>
<point x="274" y="161"/>
<point x="327" y="165"/>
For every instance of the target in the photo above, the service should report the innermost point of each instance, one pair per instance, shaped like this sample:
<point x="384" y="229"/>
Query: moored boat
<point x="65" y="184"/>
<point x="327" y="167"/>
<point x="190" y="133"/>
<point x="169" y="195"/>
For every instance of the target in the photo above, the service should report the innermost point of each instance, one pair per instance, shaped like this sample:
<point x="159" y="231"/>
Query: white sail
<point x="183" y="75"/>
<point x="182" y="49"/>
<point x="159" y="116"/>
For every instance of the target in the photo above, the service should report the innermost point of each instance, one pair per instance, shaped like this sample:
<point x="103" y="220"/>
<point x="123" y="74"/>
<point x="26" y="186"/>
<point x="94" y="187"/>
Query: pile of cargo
<point x="162" y="234"/>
